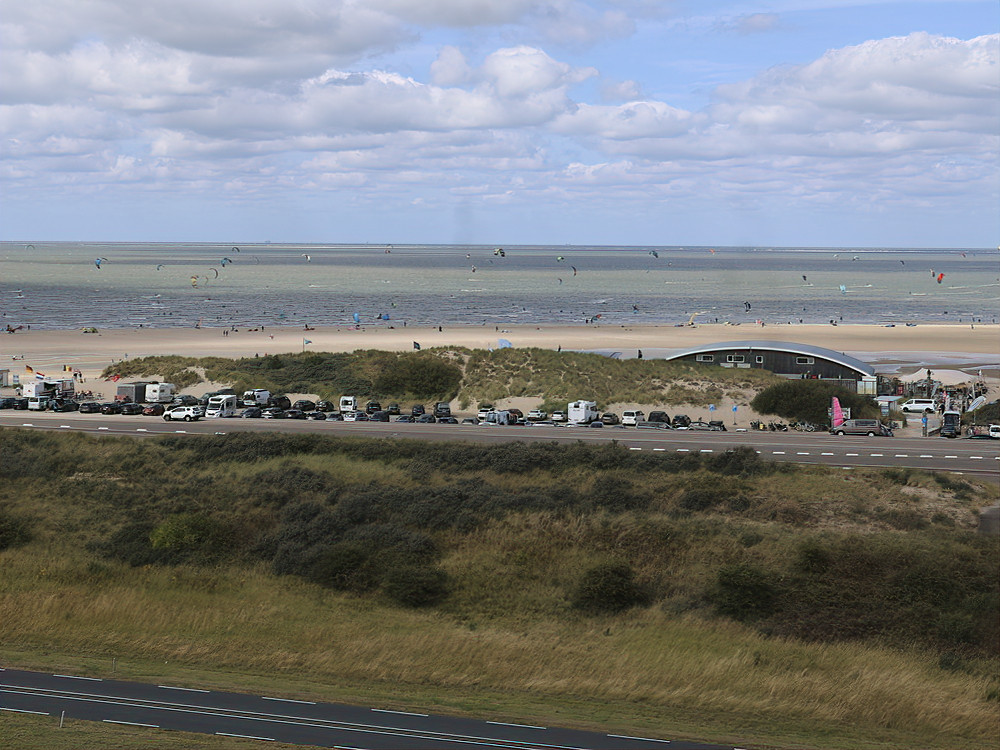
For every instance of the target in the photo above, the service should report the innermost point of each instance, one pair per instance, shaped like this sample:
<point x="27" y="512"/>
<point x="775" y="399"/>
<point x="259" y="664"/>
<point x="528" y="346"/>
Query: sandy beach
<point x="91" y="352"/>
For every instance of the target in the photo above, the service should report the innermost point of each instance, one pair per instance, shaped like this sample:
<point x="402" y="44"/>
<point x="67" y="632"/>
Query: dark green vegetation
<point x="527" y="569"/>
<point x="469" y="375"/>
<point x="809" y="400"/>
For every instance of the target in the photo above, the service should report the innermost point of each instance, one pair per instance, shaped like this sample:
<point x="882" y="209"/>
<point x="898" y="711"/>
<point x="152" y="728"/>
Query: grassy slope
<point x="506" y="642"/>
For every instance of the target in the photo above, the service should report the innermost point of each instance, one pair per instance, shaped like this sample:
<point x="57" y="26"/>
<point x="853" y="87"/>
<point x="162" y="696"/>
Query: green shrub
<point x="743" y="461"/>
<point x="15" y="531"/>
<point x="416" y="585"/>
<point x="345" y="566"/>
<point x="609" y="588"/>
<point x="808" y="400"/>
<point x="192" y="537"/>
<point x="745" y="592"/>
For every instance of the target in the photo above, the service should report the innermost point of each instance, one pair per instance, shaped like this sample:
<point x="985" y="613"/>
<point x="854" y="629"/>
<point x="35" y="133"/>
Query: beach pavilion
<point x="789" y="360"/>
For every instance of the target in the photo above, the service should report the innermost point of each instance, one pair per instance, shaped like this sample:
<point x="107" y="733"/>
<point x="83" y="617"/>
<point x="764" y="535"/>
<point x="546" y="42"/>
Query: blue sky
<point x="781" y="123"/>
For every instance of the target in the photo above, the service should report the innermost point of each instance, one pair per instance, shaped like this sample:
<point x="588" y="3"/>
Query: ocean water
<point x="62" y="286"/>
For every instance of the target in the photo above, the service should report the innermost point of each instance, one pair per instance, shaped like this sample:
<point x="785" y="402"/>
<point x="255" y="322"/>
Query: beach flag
<point x="29" y="369"/>
<point x="40" y="376"/>
<point x="504" y="344"/>
<point x="306" y="341"/>
<point x="67" y="368"/>
<point x="116" y="378"/>
<point x="838" y="413"/>
<point x="416" y="346"/>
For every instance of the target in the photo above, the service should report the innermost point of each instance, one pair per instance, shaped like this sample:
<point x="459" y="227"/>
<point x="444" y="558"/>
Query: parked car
<point x="273" y="412"/>
<point x="112" y="407"/>
<point x="154" y="410"/>
<point x="426" y="418"/>
<point x="681" y="420"/>
<point x="326" y="406"/>
<point x="90" y="407"/>
<point x="869" y="427"/>
<point x="699" y="424"/>
<point x="294" y="414"/>
<point x="447" y="420"/>
<point x="470" y="420"/>
<point x="317" y="415"/>
<point x="610" y="418"/>
<point x="378" y="416"/>
<point x="304" y="405"/>
<point x="645" y="424"/>
<point x="279" y="402"/>
<point x="372" y="406"/>
<point x="925" y="405"/>
<point x="184" y="400"/>
<point x="334" y="416"/>
<point x="405" y="418"/>
<point x="252" y="412"/>
<point x="417" y="410"/>
<point x="7" y="403"/>
<point x="393" y="409"/>
<point x="442" y="409"/>
<point x="658" y="416"/>
<point x="131" y="409"/>
<point x="20" y="404"/>
<point x="543" y="423"/>
<point x="63" y="404"/>
<point x="630" y="417"/>
<point x="596" y="423"/>
<point x="484" y="409"/>
<point x="559" y="416"/>
<point x="186" y="413"/>
<point x="536" y="414"/>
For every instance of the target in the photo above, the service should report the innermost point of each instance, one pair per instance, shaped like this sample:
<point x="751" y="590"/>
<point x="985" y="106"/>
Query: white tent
<point x="946" y="377"/>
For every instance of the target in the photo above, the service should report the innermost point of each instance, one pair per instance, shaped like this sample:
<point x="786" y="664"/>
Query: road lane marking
<point x="102" y="428"/>
<point x="951" y="456"/>
<point x="181" y="432"/>
<point x="131" y="723"/>
<point x="507" y="724"/>
<point x="24" y="711"/>
<point x="74" y="677"/>
<point x="802" y="453"/>
<point x="288" y="700"/>
<point x="401" y="713"/>
<point x="641" y="739"/>
<point x="141" y="429"/>
<point x="850" y="454"/>
<point x="979" y="458"/>
<point x="27" y="424"/>
<point x="683" y="450"/>
<point x="190" y="690"/>
<point x="705" y="450"/>
<point x="777" y="453"/>
<point x="66" y="426"/>
<point x="635" y="449"/>
<point x="902" y="455"/>
<point x="245" y="736"/>
<point x="826" y="454"/>
<point x="875" y="455"/>
<point x="926" y="455"/>
<point x="659" y="449"/>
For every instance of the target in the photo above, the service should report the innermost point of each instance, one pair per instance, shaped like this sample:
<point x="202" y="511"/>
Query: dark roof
<point x="780" y="346"/>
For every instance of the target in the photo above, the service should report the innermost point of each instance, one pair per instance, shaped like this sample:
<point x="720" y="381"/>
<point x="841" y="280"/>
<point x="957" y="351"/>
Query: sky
<point x="812" y="123"/>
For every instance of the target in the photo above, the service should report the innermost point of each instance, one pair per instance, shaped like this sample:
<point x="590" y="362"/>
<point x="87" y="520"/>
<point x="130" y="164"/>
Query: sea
<point x="69" y="285"/>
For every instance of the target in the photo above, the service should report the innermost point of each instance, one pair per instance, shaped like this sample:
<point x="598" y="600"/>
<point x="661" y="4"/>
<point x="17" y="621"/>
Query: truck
<point x="134" y="393"/>
<point x="48" y="388"/>
<point x="221" y="406"/>
<point x="160" y="393"/>
<point x="582" y="412"/>
<point x="951" y="424"/>
<point x="348" y="404"/>
<point x="255" y="397"/>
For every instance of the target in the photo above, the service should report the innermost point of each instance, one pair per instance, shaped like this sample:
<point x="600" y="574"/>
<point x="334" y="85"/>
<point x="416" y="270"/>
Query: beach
<point x="955" y="345"/>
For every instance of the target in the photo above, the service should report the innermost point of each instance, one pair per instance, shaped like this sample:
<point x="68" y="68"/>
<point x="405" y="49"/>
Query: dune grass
<point x="507" y="640"/>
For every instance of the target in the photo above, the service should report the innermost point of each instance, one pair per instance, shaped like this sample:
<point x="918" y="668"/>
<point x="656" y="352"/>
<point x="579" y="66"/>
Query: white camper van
<point x="348" y="404"/>
<point x="256" y="397"/>
<point x="221" y="406"/>
<point x="582" y="412"/>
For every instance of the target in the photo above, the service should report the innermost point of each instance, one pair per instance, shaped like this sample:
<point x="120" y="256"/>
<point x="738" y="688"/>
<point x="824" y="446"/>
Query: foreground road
<point x="267" y="718"/>
<point x="933" y="453"/>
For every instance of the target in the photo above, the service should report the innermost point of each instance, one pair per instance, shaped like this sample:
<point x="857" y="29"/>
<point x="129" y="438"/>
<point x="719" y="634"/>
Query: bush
<point x="743" y="461"/>
<point x="808" y="401"/>
<point x="192" y="536"/>
<point x="609" y="588"/>
<point x="15" y="531"/>
<point x="745" y="592"/>
<point x="345" y="566"/>
<point x="416" y="585"/>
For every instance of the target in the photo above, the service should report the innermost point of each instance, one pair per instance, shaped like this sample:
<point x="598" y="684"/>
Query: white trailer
<point x="221" y="406"/>
<point x="582" y="412"/>
<point x="160" y="393"/>
<point x="256" y="397"/>
<point x="348" y="404"/>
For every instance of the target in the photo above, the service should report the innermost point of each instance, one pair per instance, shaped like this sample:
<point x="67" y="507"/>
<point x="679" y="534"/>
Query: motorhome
<point x="582" y="412"/>
<point x="348" y="404"/>
<point x="160" y="393"/>
<point x="221" y="406"/>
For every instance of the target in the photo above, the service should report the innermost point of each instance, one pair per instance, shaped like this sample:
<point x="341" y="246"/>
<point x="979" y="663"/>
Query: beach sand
<point x="922" y="345"/>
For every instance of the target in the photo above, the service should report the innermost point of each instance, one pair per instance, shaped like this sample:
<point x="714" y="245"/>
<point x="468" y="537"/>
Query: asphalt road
<point x="268" y="718"/>
<point x="930" y="453"/>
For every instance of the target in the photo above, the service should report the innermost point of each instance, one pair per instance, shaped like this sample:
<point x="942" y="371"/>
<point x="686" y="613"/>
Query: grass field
<point x="194" y="597"/>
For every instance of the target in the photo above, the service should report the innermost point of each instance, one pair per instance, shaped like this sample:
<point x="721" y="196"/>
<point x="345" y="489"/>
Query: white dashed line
<point x="876" y="455"/>
<point x="851" y="454"/>
<point x="522" y="726"/>
<point x="951" y="456"/>
<point x="141" y="429"/>
<point x="288" y="700"/>
<point x="977" y="458"/>
<point x="65" y="427"/>
<point x="131" y="723"/>
<point x="926" y="455"/>
<point x="245" y="736"/>
<point x="683" y="450"/>
<point x="777" y="453"/>
<point x="185" y="432"/>
<point x="640" y="739"/>
<point x="27" y="424"/>
<point x="401" y="713"/>
<point x="189" y="690"/>
<point x="705" y="450"/>
<point x="802" y="453"/>
<point x="74" y="677"/>
<point x="102" y="428"/>
<point x="902" y="455"/>
<point x="635" y="449"/>
<point x="659" y="449"/>
<point x="826" y="454"/>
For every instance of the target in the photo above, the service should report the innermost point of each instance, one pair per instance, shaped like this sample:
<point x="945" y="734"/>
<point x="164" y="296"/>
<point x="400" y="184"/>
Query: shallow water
<point x="59" y="285"/>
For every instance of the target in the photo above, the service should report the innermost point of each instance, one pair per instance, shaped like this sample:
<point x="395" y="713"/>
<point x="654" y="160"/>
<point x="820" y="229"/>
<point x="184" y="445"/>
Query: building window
<point x="734" y="358"/>
<point x="706" y="358"/>
<point x="760" y="360"/>
<point x="803" y="360"/>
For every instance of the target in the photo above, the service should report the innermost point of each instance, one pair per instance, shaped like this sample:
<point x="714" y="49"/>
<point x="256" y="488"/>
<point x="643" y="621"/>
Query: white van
<point x="38" y="403"/>
<point x="925" y="405"/>
<point x="632" y="418"/>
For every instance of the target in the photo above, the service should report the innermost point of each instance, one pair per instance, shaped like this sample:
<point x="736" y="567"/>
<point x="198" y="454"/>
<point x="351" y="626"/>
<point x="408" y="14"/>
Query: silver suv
<point x="187" y="413"/>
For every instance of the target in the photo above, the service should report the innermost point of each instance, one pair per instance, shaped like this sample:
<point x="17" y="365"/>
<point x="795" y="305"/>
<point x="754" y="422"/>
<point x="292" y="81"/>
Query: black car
<point x="61" y="404"/>
<point x="334" y="416"/>
<point x="378" y="416"/>
<point x="372" y="406"/>
<point x="681" y="420"/>
<point x="393" y="409"/>
<point x="702" y="425"/>
<point x="447" y="420"/>
<point x="273" y="412"/>
<point x="426" y="418"/>
<point x="295" y="414"/>
<point x="184" y="401"/>
<point x="111" y="407"/>
<point x="280" y="402"/>
<point x="252" y="412"/>
<point x="317" y="415"/>
<point x="90" y="407"/>
<point x="21" y="404"/>
<point x="405" y="418"/>
<point x="326" y="406"/>
<point x="658" y="416"/>
<point x="304" y="405"/>
<point x="132" y="409"/>
<point x="7" y="403"/>
<point x="417" y="410"/>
